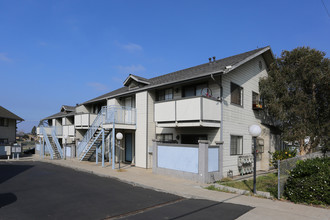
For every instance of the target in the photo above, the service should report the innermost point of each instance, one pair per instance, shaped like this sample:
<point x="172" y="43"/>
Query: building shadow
<point x="7" y="198"/>
<point x="247" y="185"/>
<point x="8" y="171"/>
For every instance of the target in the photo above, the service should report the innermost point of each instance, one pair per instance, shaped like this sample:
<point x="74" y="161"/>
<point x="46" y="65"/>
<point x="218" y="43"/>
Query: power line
<point x="325" y="7"/>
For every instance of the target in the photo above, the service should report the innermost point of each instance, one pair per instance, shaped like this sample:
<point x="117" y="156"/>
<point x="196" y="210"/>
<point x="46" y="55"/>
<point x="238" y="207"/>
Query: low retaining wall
<point x="201" y="163"/>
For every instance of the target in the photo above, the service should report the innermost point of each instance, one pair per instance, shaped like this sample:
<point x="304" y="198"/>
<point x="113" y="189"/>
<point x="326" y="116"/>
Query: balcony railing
<point x="68" y="130"/>
<point x="84" y="119"/>
<point x="188" y="110"/>
<point x="48" y="130"/>
<point x="120" y="115"/>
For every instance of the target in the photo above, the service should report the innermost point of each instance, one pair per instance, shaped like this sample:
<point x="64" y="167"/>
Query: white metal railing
<point x="120" y="115"/>
<point x="108" y="115"/>
<point x="57" y="129"/>
<point x="91" y="131"/>
<point x="57" y="144"/>
<point x="49" y="147"/>
<point x="53" y="131"/>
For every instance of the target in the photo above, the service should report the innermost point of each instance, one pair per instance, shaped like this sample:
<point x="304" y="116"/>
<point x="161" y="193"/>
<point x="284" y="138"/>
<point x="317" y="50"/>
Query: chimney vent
<point x="213" y="59"/>
<point x="210" y="60"/>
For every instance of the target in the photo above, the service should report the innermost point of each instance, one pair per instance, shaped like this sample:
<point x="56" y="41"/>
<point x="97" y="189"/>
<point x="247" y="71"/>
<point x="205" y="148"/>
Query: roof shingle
<point x="4" y="113"/>
<point x="185" y="74"/>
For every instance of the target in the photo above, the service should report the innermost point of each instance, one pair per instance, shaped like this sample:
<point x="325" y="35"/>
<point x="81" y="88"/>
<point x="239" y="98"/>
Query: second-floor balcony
<point x="84" y="120"/>
<point x="68" y="130"/>
<point x="123" y="117"/>
<point x="188" y="112"/>
<point x="57" y="129"/>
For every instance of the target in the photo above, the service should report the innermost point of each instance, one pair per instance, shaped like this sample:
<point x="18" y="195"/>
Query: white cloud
<point x="131" y="69"/>
<point x="3" y="57"/>
<point x="130" y="47"/>
<point x="98" y="86"/>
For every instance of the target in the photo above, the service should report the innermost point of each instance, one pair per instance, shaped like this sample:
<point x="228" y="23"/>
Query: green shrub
<point x="309" y="182"/>
<point x="281" y="155"/>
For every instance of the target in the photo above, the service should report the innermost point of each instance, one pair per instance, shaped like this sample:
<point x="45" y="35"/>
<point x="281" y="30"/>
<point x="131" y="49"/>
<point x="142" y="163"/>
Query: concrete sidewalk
<point x="264" y="208"/>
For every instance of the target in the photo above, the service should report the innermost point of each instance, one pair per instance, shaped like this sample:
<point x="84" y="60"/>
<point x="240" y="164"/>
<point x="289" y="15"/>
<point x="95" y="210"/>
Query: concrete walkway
<point x="264" y="208"/>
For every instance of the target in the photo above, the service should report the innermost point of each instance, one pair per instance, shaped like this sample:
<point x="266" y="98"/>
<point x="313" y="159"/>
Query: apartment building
<point x="215" y="101"/>
<point x="8" y="122"/>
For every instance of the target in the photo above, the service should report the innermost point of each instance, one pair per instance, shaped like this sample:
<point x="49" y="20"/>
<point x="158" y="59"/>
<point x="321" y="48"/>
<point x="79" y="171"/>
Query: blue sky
<point x="67" y="52"/>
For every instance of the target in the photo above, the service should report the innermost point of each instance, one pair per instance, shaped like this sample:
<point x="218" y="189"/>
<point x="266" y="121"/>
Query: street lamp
<point x="254" y="131"/>
<point x="119" y="136"/>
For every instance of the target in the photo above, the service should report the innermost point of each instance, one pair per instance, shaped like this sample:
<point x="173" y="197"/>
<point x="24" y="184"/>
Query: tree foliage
<point x="296" y="96"/>
<point x="34" y="130"/>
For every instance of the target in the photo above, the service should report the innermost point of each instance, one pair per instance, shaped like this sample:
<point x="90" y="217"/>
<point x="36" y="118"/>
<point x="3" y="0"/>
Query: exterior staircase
<point x="97" y="132"/>
<point x="94" y="143"/>
<point x="56" y="153"/>
<point x="52" y="144"/>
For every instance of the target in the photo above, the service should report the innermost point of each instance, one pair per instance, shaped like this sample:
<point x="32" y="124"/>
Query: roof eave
<point x="250" y="58"/>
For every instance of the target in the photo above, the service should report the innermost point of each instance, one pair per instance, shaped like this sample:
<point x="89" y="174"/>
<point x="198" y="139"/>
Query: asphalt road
<point x="36" y="190"/>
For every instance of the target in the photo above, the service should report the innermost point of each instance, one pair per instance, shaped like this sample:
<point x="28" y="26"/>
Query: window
<point x="236" y="94"/>
<point x="256" y="101"/>
<point x="165" y="94"/>
<point x="195" y="90"/>
<point x="236" y="145"/>
<point x="4" y="122"/>
<point x="192" y="138"/>
<point x="3" y="141"/>
<point x="164" y="137"/>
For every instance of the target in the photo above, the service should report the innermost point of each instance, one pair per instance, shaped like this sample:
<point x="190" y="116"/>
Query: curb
<point x="243" y="192"/>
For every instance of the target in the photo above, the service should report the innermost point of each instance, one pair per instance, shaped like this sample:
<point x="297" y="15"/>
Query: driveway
<point x="36" y="190"/>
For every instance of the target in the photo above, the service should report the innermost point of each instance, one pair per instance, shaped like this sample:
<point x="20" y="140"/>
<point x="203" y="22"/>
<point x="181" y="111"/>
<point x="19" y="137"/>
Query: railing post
<point x="113" y="146"/>
<point x="102" y="147"/>
<point x="43" y="148"/>
<point x="278" y="180"/>
<point x="97" y="155"/>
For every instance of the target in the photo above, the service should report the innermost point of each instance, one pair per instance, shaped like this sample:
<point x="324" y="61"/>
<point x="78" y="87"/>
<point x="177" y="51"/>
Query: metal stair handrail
<point x="49" y="147"/>
<point x="57" y="144"/>
<point x="108" y="114"/>
<point x="90" y="146"/>
<point x="91" y="131"/>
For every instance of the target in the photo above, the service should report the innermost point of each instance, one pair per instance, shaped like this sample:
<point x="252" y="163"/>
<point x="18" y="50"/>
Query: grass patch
<point x="121" y="170"/>
<point x="212" y="187"/>
<point x="267" y="183"/>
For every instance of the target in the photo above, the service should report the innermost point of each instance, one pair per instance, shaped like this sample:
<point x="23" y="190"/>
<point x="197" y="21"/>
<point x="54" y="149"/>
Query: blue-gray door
<point x="128" y="147"/>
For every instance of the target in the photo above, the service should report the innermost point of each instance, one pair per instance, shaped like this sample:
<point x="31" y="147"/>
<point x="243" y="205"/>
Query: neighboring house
<point x="8" y="122"/>
<point x="215" y="101"/>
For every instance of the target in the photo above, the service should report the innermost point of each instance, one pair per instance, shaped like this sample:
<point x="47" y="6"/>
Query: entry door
<point x="128" y="147"/>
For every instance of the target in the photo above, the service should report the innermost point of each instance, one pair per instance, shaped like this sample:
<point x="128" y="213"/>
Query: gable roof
<point x="68" y="111"/>
<point x="138" y="79"/>
<point x="206" y="69"/>
<point x="4" y="113"/>
<point x="68" y="108"/>
<point x="59" y="115"/>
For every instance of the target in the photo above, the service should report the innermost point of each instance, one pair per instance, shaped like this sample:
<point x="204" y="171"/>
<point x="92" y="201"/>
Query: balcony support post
<point x="113" y="146"/>
<point x="102" y="147"/>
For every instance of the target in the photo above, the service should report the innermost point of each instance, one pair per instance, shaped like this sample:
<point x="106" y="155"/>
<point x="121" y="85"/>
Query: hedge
<point x="309" y="182"/>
